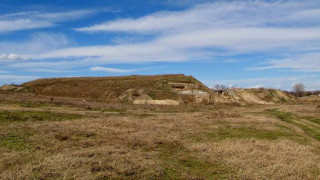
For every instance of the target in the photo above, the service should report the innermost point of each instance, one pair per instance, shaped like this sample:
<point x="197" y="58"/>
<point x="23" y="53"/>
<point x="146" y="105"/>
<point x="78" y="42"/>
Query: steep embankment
<point x="254" y="96"/>
<point x="137" y="89"/>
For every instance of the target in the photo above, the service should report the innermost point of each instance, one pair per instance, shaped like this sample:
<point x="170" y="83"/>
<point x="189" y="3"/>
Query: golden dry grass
<point x="111" y="88"/>
<point x="152" y="142"/>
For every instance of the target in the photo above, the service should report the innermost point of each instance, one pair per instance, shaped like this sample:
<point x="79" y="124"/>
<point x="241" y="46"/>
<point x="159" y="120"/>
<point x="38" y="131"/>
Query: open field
<point x="40" y="139"/>
<point x="159" y="89"/>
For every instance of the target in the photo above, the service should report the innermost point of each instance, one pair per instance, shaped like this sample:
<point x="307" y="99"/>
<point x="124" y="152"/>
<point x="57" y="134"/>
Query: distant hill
<point x="133" y="88"/>
<point x="169" y="89"/>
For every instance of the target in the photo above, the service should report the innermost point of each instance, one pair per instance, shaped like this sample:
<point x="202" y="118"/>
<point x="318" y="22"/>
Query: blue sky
<point x="273" y="44"/>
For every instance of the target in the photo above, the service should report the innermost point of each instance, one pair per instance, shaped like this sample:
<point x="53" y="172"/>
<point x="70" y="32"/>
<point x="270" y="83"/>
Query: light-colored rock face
<point x="253" y="96"/>
<point x="8" y="87"/>
<point x="251" y="99"/>
<point x="14" y="88"/>
<point x="157" y="102"/>
<point x="194" y="90"/>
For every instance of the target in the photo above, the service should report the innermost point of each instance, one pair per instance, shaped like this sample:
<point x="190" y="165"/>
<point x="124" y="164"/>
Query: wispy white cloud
<point x="113" y="70"/>
<point x="118" y="70"/>
<point x="37" y="43"/>
<point x="3" y="72"/>
<point x="65" y="16"/>
<point x="197" y="45"/>
<point x="11" y="57"/>
<point x="216" y="15"/>
<point x="20" y="24"/>
<point x="207" y="30"/>
<point x="48" y="70"/>
<point x="307" y="62"/>
<point x="202" y="32"/>
<point x="16" y="78"/>
<point x="36" y="19"/>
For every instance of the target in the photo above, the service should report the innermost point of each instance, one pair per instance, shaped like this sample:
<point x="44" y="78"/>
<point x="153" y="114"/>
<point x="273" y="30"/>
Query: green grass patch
<point x="228" y="132"/>
<point x="284" y="116"/>
<point x="23" y="116"/>
<point x="178" y="163"/>
<point x="295" y="120"/>
<point x="13" y="142"/>
<point x="16" y="141"/>
<point x="311" y="119"/>
<point x="315" y="133"/>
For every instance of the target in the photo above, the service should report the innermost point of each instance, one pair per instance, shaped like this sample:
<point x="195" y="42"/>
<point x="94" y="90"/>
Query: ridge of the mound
<point x="177" y="87"/>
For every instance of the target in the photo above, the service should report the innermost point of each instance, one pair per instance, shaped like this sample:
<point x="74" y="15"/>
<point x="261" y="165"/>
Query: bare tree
<point x="299" y="89"/>
<point x="220" y="87"/>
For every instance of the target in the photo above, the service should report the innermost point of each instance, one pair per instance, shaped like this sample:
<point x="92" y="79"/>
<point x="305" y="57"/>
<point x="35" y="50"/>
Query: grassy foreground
<point x="250" y="142"/>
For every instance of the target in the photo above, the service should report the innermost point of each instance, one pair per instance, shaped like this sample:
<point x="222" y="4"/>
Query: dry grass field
<point x="41" y="139"/>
